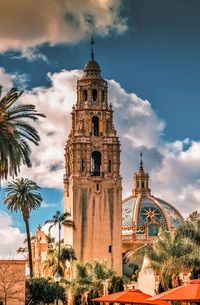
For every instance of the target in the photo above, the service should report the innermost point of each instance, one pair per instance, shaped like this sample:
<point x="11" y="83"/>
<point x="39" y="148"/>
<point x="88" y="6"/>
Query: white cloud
<point x="10" y="237"/>
<point x="46" y="205"/>
<point x="54" y="232"/>
<point x="9" y="80"/>
<point x="25" y="25"/>
<point x="6" y="80"/>
<point x="174" y="167"/>
<point x="178" y="178"/>
<point x="135" y="119"/>
<point x="56" y="103"/>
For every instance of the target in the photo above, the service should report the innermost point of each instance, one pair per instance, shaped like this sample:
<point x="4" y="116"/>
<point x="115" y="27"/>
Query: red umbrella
<point x="129" y="296"/>
<point x="189" y="293"/>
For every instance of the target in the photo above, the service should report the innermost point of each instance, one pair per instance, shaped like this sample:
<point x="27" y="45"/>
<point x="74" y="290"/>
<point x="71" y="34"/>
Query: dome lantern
<point x="141" y="181"/>
<point x="92" y="68"/>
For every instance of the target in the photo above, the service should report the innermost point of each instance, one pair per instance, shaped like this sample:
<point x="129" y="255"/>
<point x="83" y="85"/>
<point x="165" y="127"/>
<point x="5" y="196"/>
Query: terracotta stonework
<point x="12" y="282"/>
<point x="92" y="182"/>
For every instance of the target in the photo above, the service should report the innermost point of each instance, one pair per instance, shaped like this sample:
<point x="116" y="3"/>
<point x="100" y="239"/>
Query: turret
<point x="141" y="181"/>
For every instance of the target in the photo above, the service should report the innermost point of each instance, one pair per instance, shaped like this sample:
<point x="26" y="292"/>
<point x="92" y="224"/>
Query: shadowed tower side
<point x="92" y="181"/>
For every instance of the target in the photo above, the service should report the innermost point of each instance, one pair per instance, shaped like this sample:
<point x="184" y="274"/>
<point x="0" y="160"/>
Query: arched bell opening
<point x="96" y="163"/>
<point x="95" y="126"/>
<point x="94" y="95"/>
<point x="142" y="184"/>
<point x="84" y="95"/>
<point x="102" y="95"/>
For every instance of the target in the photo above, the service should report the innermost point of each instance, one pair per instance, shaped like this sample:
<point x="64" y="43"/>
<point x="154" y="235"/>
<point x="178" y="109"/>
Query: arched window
<point x="102" y="95"/>
<point x="84" y="95"/>
<point x="96" y="163"/>
<point x="82" y="165"/>
<point x="95" y="126"/>
<point x="94" y="95"/>
<point x="142" y="184"/>
<point x="109" y="166"/>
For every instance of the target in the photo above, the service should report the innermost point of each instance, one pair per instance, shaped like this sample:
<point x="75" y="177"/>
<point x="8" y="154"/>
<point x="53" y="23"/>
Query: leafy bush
<point x="41" y="291"/>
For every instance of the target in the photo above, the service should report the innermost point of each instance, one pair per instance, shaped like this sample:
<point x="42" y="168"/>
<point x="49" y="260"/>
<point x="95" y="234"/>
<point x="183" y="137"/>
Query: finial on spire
<point x="141" y="162"/>
<point x="92" y="51"/>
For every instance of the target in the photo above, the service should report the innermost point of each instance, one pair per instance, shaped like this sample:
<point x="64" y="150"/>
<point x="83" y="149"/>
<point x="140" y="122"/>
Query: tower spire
<point x="141" y="162"/>
<point x="92" y="51"/>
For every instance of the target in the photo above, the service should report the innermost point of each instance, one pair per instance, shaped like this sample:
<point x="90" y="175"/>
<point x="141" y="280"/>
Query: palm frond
<point x="16" y="133"/>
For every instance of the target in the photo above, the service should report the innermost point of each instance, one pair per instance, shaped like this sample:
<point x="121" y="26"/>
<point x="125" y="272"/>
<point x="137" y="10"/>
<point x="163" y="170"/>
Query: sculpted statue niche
<point x="80" y="125"/>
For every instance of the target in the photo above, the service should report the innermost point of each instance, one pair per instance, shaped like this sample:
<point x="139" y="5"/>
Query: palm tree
<point x="22" y="195"/>
<point x="67" y="253"/>
<point x="94" y="279"/>
<point x="15" y="133"/>
<point x="60" y="219"/>
<point x="190" y="232"/>
<point x="169" y="255"/>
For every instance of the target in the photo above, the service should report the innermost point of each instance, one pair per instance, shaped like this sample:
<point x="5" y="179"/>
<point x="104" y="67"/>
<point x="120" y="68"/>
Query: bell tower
<point x="92" y="181"/>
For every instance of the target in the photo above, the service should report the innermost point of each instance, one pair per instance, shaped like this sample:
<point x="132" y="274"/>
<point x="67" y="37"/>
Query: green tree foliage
<point x="116" y="284"/>
<point x="67" y="253"/>
<point x="93" y="279"/>
<point x="190" y="232"/>
<point x="22" y="195"/>
<point x="193" y="216"/>
<point x="16" y="133"/>
<point x="60" y="219"/>
<point x="169" y="255"/>
<point x="41" y="291"/>
<point x="130" y="269"/>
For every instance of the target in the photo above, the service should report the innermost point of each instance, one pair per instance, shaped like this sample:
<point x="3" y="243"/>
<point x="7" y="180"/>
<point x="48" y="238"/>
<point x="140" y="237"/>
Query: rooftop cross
<point x="92" y="51"/>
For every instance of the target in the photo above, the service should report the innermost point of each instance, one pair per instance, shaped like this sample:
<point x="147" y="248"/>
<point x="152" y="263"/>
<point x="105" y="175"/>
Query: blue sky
<point x="150" y="53"/>
<point x="157" y="57"/>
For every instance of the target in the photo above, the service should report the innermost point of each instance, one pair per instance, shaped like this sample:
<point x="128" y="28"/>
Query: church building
<point x="143" y="215"/>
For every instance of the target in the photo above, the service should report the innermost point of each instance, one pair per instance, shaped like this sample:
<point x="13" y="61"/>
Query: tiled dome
<point x="142" y="213"/>
<point x="144" y="209"/>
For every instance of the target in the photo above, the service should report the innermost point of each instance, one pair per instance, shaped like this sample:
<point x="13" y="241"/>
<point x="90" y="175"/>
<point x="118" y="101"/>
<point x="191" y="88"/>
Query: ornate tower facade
<point x="92" y="181"/>
<point x="39" y="252"/>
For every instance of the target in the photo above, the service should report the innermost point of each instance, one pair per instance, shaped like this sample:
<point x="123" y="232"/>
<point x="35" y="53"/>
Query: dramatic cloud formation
<point x="56" y="103"/>
<point x="10" y="237"/>
<point x="174" y="167"/>
<point x="178" y="176"/>
<point x="53" y="22"/>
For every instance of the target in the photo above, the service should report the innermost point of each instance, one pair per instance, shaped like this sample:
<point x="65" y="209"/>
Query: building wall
<point x="12" y="281"/>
